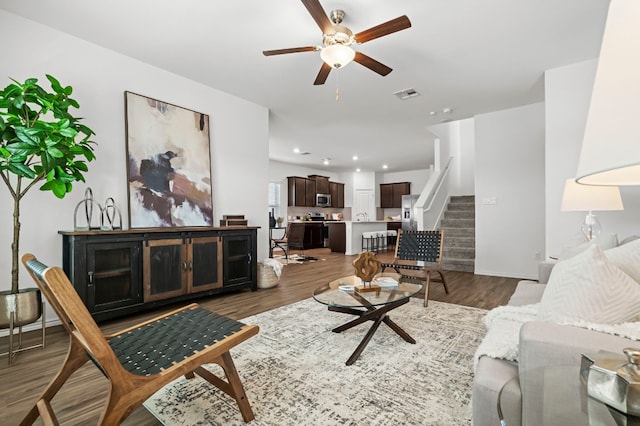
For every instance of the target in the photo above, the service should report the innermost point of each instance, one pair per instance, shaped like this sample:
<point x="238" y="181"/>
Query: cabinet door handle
<point x="249" y="258"/>
<point x="90" y="277"/>
<point x="191" y="265"/>
<point x="184" y="266"/>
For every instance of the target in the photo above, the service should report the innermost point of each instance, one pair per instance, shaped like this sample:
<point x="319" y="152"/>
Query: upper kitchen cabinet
<point x="298" y="187"/>
<point x="322" y="183"/>
<point x="302" y="191"/>
<point x="337" y="194"/>
<point x="391" y="194"/>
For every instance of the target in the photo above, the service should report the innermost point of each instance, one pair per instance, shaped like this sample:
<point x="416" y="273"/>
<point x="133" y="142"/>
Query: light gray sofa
<point x="541" y="344"/>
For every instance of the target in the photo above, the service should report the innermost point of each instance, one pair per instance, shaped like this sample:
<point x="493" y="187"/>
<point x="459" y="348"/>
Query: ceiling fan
<point x="336" y="51"/>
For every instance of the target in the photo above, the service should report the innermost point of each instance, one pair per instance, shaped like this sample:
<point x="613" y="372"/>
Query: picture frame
<point x="168" y="164"/>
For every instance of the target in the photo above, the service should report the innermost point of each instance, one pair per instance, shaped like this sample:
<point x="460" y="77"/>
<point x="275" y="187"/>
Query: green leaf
<point x="59" y="189"/>
<point x="21" y="169"/>
<point x="55" y="152"/>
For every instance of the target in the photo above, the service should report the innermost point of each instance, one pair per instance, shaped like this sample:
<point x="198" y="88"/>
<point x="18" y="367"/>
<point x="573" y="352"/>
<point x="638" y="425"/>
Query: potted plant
<point x="40" y="142"/>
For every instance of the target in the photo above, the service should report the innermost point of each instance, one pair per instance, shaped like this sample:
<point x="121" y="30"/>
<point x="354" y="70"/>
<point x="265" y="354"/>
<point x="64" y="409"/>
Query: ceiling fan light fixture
<point x="337" y="55"/>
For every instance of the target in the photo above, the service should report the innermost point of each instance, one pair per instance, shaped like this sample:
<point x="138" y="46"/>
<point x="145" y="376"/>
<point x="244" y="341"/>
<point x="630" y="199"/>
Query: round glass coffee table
<point x="349" y="296"/>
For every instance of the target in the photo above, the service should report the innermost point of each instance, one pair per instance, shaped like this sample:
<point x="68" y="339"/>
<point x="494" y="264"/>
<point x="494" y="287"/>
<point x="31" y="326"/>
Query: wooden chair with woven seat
<point x="418" y="255"/>
<point x="139" y="360"/>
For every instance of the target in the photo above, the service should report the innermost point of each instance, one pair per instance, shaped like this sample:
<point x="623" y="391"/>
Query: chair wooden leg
<point x="76" y="358"/>
<point x="233" y="386"/>
<point x="444" y="282"/>
<point x="426" y="289"/>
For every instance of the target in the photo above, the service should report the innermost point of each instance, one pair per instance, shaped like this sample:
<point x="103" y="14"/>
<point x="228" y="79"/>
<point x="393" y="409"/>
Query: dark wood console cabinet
<point x="122" y="272"/>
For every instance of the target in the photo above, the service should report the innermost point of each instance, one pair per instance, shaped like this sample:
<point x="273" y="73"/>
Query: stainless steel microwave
<point x="323" y="200"/>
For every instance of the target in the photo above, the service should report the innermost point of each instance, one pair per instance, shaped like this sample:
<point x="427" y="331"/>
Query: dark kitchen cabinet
<point x="313" y="235"/>
<point x="297" y="190"/>
<point x="391" y="194"/>
<point x="337" y="194"/>
<point x="322" y="183"/>
<point x="126" y="271"/>
<point x="310" y="193"/>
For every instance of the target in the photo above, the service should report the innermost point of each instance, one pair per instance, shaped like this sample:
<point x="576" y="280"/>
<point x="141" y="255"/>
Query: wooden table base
<point x="370" y="313"/>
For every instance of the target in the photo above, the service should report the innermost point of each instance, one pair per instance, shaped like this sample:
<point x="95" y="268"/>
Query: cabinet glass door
<point x="113" y="277"/>
<point x="165" y="269"/>
<point x="205" y="256"/>
<point x="237" y="259"/>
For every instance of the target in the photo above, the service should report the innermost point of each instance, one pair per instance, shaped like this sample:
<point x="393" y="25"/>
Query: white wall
<point x="510" y="168"/>
<point x="567" y="94"/>
<point x="239" y="139"/>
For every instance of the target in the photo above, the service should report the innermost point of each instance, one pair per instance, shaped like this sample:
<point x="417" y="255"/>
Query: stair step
<point x="460" y="214"/>
<point x="460" y="265"/>
<point x="464" y="242"/>
<point x="458" y="232"/>
<point x="461" y="206"/>
<point x="463" y="199"/>
<point x="459" y="253"/>
<point x="458" y="223"/>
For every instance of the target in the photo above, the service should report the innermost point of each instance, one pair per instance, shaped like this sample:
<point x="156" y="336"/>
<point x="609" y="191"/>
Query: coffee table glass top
<point x="341" y="292"/>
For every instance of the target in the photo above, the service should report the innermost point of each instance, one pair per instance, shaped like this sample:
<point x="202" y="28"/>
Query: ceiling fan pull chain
<point x="338" y="86"/>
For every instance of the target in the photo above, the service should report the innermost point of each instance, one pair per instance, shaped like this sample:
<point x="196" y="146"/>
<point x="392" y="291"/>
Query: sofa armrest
<point x="544" y="344"/>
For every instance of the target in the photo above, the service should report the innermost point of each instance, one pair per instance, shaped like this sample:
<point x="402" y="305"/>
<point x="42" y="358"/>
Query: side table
<point x="564" y="401"/>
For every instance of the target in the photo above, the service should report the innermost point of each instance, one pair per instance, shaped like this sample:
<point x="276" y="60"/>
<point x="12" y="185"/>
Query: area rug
<point x="294" y="371"/>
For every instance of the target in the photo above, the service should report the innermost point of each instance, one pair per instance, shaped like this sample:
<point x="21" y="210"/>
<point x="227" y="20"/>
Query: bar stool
<point x="370" y="241"/>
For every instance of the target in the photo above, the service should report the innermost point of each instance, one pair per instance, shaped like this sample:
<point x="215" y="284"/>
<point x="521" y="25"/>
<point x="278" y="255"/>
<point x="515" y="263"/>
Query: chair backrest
<point x="423" y="246"/>
<point x="295" y="233"/>
<point x="73" y="313"/>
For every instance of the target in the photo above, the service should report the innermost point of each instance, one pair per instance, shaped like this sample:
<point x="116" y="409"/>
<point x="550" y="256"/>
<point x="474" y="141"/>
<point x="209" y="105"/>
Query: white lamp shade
<point x="337" y="55"/>
<point x="577" y="197"/>
<point x="611" y="146"/>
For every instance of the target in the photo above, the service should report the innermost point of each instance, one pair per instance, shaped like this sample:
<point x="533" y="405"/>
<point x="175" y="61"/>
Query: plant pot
<point x="27" y="305"/>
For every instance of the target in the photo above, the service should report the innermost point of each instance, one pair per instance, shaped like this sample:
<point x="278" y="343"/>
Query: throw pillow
<point x="587" y="287"/>
<point x="627" y="258"/>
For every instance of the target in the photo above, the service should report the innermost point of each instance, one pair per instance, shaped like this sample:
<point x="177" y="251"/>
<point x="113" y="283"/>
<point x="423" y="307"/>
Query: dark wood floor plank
<point x="81" y="399"/>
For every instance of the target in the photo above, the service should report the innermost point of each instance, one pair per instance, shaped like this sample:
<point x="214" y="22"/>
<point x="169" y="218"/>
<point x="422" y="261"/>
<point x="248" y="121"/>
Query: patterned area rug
<point x="294" y="371"/>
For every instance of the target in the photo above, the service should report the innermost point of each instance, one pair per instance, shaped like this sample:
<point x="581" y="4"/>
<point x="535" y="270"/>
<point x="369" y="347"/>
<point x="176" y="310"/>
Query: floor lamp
<point x="590" y="198"/>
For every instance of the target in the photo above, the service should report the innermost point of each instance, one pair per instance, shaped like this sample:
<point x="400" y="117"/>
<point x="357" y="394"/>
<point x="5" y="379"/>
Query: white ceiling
<point x="474" y="56"/>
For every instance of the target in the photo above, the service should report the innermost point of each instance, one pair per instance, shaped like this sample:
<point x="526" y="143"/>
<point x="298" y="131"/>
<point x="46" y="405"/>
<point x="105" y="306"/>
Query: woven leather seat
<point x="424" y="247"/>
<point x="139" y="360"/>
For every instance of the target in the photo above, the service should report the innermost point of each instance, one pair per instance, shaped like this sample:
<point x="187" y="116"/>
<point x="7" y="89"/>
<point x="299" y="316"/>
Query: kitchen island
<point x="346" y="236"/>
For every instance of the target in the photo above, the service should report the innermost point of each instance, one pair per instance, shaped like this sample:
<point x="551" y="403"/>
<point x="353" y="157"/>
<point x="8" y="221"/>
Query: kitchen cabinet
<point x="313" y="235"/>
<point x="310" y="193"/>
<point x="297" y="190"/>
<point x="121" y="272"/>
<point x="391" y="194"/>
<point x="337" y="237"/>
<point x="337" y="194"/>
<point x="322" y="184"/>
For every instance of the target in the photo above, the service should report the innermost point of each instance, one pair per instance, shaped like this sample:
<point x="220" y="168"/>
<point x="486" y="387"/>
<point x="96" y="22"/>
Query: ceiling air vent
<point x="407" y="93"/>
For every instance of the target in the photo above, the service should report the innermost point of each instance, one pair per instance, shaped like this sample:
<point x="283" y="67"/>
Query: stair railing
<point x="434" y="199"/>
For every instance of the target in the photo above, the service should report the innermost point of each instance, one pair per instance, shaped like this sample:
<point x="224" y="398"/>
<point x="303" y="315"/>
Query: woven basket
<point x="267" y="278"/>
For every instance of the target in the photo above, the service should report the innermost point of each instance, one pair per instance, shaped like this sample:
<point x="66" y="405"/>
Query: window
<point x="274" y="199"/>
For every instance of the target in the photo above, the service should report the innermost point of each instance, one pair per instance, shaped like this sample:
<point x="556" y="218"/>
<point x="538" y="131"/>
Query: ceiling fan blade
<point x="389" y="27"/>
<point x="291" y="50"/>
<point x="372" y="64"/>
<point x="323" y="74"/>
<point x="318" y="14"/>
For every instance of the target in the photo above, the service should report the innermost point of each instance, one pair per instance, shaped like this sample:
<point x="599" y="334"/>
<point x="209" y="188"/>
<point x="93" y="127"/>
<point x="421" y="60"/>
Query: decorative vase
<point x="26" y="304"/>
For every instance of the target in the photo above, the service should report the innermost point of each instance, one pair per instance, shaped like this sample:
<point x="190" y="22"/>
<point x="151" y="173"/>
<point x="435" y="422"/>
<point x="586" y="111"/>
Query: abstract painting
<point x="169" y="164"/>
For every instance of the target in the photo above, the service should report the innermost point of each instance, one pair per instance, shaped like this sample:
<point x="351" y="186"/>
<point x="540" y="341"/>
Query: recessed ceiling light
<point x="325" y="161"/>
<point x="357" y="170"/>
<point x="447" y="110"/>
<point x="296" y="150"/>
<point x="355" y="158"/>
<point x="384" y="166"/>
<point x="433" y="113"/>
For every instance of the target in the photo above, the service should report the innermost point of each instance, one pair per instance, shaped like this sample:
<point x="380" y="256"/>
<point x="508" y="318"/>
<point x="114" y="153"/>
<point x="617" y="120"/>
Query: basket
<point x="267" y="278"/>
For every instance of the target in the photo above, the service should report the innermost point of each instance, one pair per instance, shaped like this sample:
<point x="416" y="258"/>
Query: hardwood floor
<point x="81" y="399"/>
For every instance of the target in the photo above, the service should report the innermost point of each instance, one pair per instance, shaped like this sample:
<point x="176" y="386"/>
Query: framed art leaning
<point x="168" y="164"/>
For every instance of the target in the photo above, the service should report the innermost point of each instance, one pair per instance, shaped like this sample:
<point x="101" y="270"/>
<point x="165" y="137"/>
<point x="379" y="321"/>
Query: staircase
<point x="459" y="225"/>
